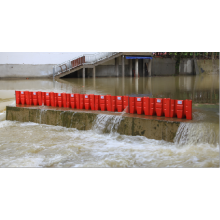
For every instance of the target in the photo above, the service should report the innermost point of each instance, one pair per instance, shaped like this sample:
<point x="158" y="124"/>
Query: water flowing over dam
<point x="27" y="144"/>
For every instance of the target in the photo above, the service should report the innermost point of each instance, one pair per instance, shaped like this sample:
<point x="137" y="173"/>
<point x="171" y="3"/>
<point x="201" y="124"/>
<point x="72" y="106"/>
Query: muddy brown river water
<point x="35" y="145"/>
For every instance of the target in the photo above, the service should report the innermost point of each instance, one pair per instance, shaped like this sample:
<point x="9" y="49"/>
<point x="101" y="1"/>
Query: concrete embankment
<point x="153" y="127"/>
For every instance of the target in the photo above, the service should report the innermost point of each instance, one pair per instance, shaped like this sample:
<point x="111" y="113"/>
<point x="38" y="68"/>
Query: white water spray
<point x="197" y="133"/>
<point x="107" y="123"/>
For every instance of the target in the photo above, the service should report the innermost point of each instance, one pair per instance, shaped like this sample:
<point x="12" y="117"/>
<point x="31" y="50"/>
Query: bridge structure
<point x="94" y="60"/>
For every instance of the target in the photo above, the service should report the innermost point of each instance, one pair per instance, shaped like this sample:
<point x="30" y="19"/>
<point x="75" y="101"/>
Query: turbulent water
<point x="36" y="145"/>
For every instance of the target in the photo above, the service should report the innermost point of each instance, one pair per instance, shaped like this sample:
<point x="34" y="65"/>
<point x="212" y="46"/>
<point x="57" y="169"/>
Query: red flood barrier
<point x="64" y="99"/>
<point x="52" y="99"/>
<point x="188" y="109"/>
<point x="172" y="108"/>
<point x="18" y="97"/>
<point x="113" y="103"/>
<point x="97" y="105"/>
<point x="55" y="100"/>
<point x="119" y="103"/>
<point x="146" y="105"/>
<point x="35" y="98"/>
<point x="92" y="101"/>
<point x="102" y="101"/>
<point x="59" y="99"/>
<point x="23" y="101"/>
<point x="39" y="98"/>
<point x="108" y="103"/>
<point x="159" y="106"/>
<point x="81" y="101"/>
<point x="77" y="101"/>
<point x="152" y="106"/>
<point x="27" y="100"/>
<point x="167" y="107"/>
<point x="87" y="102"/>
<point x="30" y="98"/>
<point x="47" y="98"/>
<point x="139" y="105"/>
<point x="149" y="106"/>
<point x="132" y="105"/>
<point x="43" y="98"/>
<point x="72" y="101"/>
<point x="67" y="100"/>
<point x="180" y="108"/>
<point x="125" y="104"/>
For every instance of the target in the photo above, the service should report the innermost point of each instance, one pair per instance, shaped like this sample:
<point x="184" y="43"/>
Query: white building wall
<point x="38" y="57"/>
<point x="32" y="64"/>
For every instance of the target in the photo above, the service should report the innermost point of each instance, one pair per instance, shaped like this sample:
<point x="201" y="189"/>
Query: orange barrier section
<point x="72" y="101"/>
<point x="35" y="98"/>
<point x="113" y="103"/>
<point x="87" y="102"/>
<point x="140" y="105"/>
<point x="18" y="97"/>
<point x="102" y="100"/>
<point x="92" y="101"/>
<point x="119" y="103"/>
<point x="108" y="103"/>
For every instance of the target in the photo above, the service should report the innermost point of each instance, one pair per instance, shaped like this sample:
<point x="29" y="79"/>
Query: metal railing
<point x="89" y="59"/>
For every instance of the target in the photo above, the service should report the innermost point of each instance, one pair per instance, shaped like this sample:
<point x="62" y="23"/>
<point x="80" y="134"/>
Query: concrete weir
<point x="153" y="127"/>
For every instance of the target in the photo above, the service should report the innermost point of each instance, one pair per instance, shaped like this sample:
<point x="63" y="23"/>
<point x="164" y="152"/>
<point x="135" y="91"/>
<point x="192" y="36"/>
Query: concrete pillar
<point x="130" y="88"/>
<point x="94" y="83"/>
<point x="130" y="67"/>
<point x="123" y="65"/>
<point x="194" y="56"/>
<point x="84" y="85"/>
<point x="149" y="68"/>
<point x="84" y="73"/>
<point x="136" y="85"/>
<point x="93" y="74"/>
<point x="116" y="66"/>
<point x="136" y="68"/>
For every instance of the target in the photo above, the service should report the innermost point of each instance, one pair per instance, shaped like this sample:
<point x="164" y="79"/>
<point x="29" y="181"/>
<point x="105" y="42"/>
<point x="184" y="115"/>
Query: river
<point x="36" y="145"/>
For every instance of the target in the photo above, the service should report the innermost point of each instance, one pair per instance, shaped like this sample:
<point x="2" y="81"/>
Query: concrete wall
<point x="25" y="70"/>
<point x="38" y="57"/>
<point x="186" y="66"/>
<point x="207" y="67"/>
<point x="148" y="127"/>
<point x="163" y="66"/>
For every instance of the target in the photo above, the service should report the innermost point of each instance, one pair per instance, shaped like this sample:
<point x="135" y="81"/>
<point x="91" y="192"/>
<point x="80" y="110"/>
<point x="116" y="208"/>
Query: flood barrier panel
<point x="166" y="107"/>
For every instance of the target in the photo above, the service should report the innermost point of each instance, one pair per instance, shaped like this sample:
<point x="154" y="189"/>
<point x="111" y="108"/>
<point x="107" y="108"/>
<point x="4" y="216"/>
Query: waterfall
<point x="197" y="133"/>
<point x="107" y="123"/>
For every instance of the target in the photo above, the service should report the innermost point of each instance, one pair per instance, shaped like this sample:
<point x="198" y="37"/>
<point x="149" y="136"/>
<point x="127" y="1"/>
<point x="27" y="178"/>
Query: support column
<point x="130" y="67"/>
<point x="123" y="65"/>
<point x="149" y="68"/>
<point x="93" y="73"/>
<point x="116" y="66"/>
<point x="194" y="56"/>
<point x="136" y="85"/>
<point x="84" y="73"/>
<point x="136" y="68"/>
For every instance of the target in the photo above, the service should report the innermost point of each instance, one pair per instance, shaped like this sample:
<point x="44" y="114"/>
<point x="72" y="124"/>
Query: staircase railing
<point x="81" y="60"/>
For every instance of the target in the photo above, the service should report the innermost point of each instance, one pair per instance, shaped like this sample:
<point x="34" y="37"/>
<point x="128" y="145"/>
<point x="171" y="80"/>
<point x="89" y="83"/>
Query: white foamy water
<point x="35" y="145"/>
